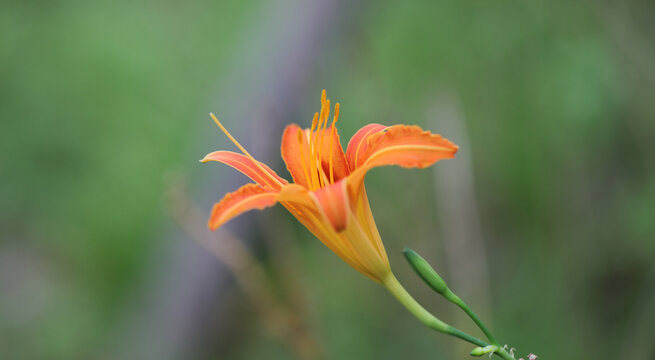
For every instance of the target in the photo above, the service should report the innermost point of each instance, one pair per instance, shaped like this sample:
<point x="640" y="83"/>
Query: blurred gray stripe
<point x="270" y="72"/>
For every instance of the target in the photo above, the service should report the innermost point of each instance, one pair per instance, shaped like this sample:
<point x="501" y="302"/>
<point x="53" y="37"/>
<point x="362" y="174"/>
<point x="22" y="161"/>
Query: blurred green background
<point x="545" y="222"/>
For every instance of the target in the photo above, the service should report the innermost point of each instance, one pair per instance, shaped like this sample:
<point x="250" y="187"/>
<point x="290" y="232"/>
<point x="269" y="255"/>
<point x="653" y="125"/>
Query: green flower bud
<point x="425" y="271"/>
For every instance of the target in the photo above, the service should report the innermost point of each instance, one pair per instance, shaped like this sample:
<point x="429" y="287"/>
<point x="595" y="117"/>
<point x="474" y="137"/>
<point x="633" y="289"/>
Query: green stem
<point x="452" y="297"/>
<point x="399" y="292"/>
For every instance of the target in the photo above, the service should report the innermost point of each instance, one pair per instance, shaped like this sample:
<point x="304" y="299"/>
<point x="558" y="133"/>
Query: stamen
<point x="324" y="179"/>
<point x="321" y="121"/>
<point x="314" y="120"/>
<point x="302" y="156"/>
<point x="312" y="151"/>
<point x="320" y="135"/>
<point x="318" y="177"/>
<point x="320" y="144"/>
<point x="322" y="114"/>
<point x="332" y="132"/>
<point x="243" y="150"/>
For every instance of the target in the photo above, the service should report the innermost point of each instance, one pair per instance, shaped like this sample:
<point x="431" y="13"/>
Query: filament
<point x="332" y="131"/>
<point x="302" y="156"/>
<point x="312" y="164"/>
<point x="320" y="135"/>
<point x="243" y="150"/>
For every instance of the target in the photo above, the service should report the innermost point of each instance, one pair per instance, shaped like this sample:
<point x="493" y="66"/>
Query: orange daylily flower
<point x="328" y="195"/>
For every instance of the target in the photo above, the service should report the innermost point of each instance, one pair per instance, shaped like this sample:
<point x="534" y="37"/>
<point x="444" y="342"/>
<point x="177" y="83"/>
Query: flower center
<point x="315" y="173"/>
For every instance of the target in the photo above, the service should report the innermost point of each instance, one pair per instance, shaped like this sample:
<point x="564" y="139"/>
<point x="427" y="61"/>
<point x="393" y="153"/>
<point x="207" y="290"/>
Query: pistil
<point x="244" y="151"/>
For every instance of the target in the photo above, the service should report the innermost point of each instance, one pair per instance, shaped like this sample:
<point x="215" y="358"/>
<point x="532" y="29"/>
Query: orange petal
<point x="334" y="203"/>
<point x="358" y="144"/>
<point x="305" y="206"/>
<point x="406" y="146"/>
<point x="312" y="213"/>
<point x="247" y="166"/>
<point x="296" y="195"/>
<point x="296" y="154"/>
<point x="247" y="197"/>
<point x="332" y="145"/>
<point x="302" y="205"/>
<point x="402" y="145"/>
